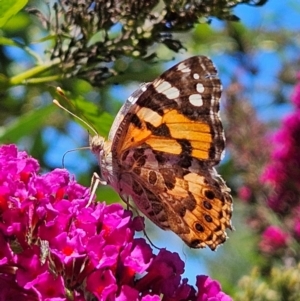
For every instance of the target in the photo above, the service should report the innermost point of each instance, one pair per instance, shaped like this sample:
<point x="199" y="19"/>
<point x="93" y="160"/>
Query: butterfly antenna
<point x="57" y="103"/>
<point x="72" y="150"/>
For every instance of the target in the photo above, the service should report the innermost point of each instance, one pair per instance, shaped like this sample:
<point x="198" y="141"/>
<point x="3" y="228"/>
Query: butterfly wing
<point x="193" y="202"/>
<point x="124" y="110"/>
<point x="164" y="151"/>
<point x="177" y="114"/>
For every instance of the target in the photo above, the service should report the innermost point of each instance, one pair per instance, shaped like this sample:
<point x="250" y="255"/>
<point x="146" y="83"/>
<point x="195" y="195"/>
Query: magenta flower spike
<point x="54" y="248"/>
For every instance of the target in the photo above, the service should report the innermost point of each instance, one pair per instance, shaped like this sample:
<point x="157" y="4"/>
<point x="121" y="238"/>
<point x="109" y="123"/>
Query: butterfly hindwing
<point x="193" y="202"/>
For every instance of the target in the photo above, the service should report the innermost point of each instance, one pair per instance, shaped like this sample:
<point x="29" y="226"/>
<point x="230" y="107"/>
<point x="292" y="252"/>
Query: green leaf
<point x="108" y="194"/>
<point x="96" y="118"/>
<point x="8" y="42"/>
<point x="25" y="124"/>
<point x="9" y="8"/>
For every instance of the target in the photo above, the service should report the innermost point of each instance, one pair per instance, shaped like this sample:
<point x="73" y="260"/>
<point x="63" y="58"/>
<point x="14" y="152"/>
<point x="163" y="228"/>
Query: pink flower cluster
<point x="283" y="176"/>
<point x="273" y="239"/>
<point x="54" y="248"/>
<point x="283" y="173"/>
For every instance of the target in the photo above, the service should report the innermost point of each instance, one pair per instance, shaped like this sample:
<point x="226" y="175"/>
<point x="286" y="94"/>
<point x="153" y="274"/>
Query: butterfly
<point x="162" y="149"/>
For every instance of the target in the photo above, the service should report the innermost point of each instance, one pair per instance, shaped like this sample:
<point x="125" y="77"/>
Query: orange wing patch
<point x="164" y="144"/>
<point x="163" y="133"/>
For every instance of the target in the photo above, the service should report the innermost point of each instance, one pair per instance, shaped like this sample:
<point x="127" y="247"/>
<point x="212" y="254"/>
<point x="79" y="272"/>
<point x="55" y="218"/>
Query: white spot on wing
<point x="144" y="86"/>
<point x="200" y="88"/>
<point x="136" y="94"/>
<point x="150" y="116"/>
<point x="196" y="100"/>
<point x="132" y="99"/>
<point x="183" y="68"/>
<point x="196" y="76"/>
<point x="167" y="89"/>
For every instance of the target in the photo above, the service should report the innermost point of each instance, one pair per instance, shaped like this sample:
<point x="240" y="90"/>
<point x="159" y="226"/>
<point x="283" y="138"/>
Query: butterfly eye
<point x="96" y="144"/>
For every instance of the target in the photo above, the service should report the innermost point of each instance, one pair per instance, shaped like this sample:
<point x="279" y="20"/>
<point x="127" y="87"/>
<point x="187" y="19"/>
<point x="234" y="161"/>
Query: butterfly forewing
<point x="181" y="107"/>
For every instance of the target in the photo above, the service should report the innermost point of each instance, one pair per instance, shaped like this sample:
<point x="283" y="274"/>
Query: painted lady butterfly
<point x="162" y="149"/>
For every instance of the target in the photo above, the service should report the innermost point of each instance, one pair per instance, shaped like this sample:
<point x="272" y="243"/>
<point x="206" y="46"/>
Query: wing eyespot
<point x="209" y="194"/>
<point x="207" y="205"/>
<point x="208" y="218"/>
<point x="152" y="177"/>
<point x="199" y="227"/>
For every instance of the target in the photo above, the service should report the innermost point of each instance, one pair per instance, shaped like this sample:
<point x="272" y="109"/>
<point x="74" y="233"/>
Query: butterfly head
<point x="97" y="144"/>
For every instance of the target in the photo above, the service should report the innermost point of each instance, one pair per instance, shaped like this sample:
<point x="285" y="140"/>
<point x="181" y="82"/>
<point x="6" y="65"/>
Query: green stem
<point x="23" y="77"/>
<point x="44" y="79"/>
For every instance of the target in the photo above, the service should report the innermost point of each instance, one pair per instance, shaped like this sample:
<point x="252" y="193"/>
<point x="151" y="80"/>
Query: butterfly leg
<point x="125" y="199"/>
<point x="146" y="235"/>
<point x="95" y="182"/>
